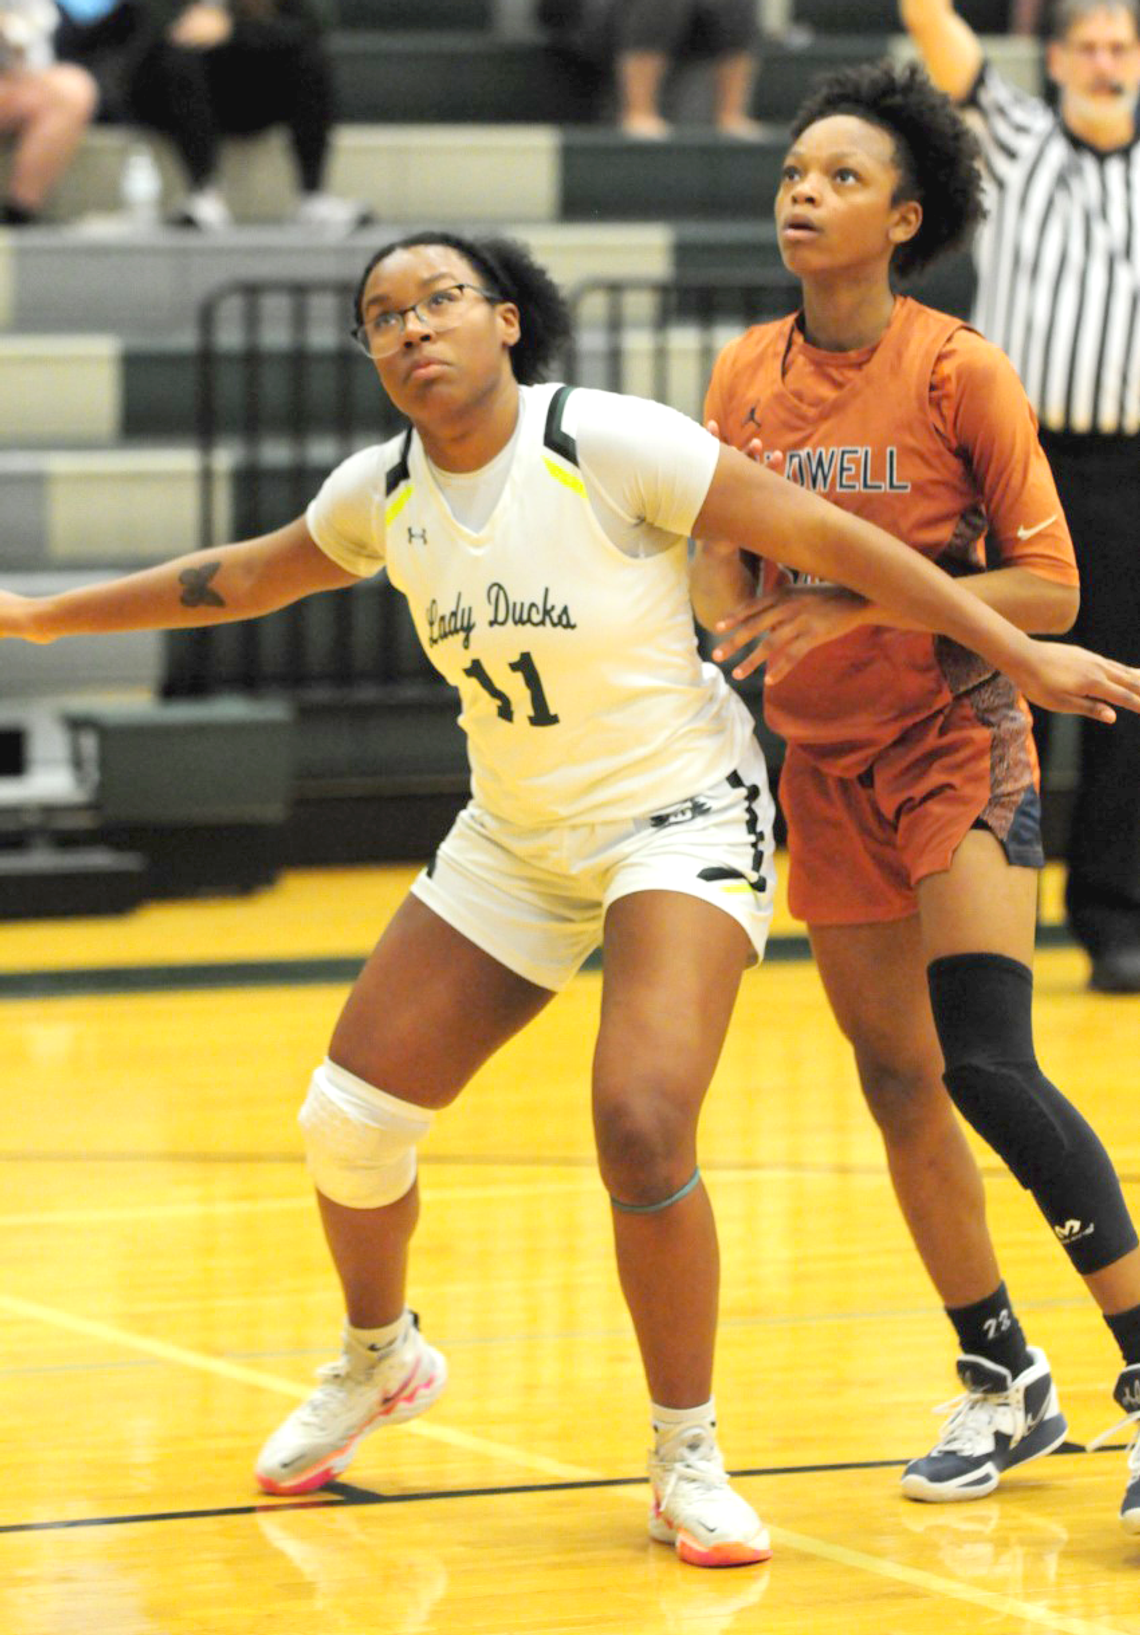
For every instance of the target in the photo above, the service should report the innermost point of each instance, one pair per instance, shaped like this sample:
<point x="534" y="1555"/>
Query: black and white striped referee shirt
<point x="1059" y="262"/>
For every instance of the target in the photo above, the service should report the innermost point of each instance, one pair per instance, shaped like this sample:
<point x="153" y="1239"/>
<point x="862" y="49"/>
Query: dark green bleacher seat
<point x="201" y="789"/>
<point x="837" y="16"/>
<point x="380" y="764"/>
<point x="695" y="176"/>
<point x="787" y="69"/>
<point x="451" y="78"/>
<point x="402" y="16"/>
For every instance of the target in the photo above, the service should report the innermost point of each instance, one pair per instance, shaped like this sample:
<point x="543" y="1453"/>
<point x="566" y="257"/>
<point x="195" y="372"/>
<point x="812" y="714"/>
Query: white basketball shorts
<point x="536" y="899"/>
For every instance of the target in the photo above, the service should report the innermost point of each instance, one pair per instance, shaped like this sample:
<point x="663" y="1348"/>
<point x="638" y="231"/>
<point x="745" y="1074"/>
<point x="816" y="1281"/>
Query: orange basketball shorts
<point x="859" y="846"/>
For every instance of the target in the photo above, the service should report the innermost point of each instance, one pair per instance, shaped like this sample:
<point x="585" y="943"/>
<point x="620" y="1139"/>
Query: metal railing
<point x="659" y="338"/>
<point x="283" y="395"/>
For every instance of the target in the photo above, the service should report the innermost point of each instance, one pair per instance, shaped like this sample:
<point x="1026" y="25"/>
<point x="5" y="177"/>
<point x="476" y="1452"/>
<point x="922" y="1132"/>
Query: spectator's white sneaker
<point x="326" y="213"/>
<point x="359" y="1392"/>
<point x="205" y="210"/>
<point x="694" y="1509"/>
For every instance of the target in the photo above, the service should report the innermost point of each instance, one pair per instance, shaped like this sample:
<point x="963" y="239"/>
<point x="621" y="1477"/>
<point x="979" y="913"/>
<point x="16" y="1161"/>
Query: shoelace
<point x="701" y="1467"/>
<point x="1134" y="1450"/>
<point x="327" y="1402"/>
<point x="969" y="1428"/>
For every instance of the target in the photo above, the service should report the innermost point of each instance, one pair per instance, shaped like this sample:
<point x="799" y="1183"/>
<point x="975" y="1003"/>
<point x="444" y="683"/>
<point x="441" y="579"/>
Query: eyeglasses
<point x="383" y="333"/>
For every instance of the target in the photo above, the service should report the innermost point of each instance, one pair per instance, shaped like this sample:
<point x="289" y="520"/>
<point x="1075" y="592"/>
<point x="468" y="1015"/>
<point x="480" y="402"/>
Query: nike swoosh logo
<point x="1033" y="1420"/>
<point x="1028" y="533"/>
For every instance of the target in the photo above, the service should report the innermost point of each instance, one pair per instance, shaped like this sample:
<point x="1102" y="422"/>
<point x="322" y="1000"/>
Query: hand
<point x="200" y="27"/>
<point x="1074" y="681"/>
<point x="790" y="621"/>
<point x="18" y="617"/>
<point x="754" y="450"/>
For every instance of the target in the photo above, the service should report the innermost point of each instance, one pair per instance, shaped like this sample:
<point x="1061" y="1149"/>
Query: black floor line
<point x="108" y="980"/>
<point x="345" y="1495"/>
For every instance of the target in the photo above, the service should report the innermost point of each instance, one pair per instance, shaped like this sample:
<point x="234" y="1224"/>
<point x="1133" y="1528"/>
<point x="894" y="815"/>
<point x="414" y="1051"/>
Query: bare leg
<point x="369" y="1248"/>
<point x="875" y="979"/>
<point x="672" y="967"/>
<point x="425" y="1013"/>
<point x="733" y="78"/>
<point x="640" y="74"/>
<point x="49" y="112"/>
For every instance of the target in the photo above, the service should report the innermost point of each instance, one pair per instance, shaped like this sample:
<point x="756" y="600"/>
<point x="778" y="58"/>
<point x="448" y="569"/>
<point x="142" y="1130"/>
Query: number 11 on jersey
<point x="540" y="711"/>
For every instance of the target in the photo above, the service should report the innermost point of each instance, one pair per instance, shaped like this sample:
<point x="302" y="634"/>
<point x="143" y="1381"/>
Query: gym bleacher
<point x="122" y="443"/>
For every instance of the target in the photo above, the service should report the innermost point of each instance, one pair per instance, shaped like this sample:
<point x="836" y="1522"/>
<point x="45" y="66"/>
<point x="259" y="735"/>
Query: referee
<point x="1059" y="290"/>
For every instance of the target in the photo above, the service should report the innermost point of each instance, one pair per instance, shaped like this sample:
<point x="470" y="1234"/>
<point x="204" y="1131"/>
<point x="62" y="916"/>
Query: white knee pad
<point x="360" y="1142"/>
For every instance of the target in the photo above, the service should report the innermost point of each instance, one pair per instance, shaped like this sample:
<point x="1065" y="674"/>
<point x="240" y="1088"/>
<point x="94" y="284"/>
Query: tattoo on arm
<point x="197" y="583"/>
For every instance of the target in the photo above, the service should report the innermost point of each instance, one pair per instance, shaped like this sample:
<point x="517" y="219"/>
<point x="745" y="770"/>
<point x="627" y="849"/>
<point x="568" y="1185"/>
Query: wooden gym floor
<point x="165" y="1298"/>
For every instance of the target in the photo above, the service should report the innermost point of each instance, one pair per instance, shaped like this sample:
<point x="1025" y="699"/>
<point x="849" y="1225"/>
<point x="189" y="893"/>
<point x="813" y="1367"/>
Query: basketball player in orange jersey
<point x="910" y="786"/>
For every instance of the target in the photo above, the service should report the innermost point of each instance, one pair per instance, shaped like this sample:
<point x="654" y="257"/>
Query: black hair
<point x="510" y="272"/>
<point x="935" y="150"/>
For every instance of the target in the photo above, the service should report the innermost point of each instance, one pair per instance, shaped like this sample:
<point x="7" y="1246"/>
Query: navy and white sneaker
<point x="1127" y="1394"/>
<point x="999" y="1423"/>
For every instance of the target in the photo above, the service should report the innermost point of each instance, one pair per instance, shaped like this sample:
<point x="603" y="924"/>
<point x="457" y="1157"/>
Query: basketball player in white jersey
<point x="539" y="534"/>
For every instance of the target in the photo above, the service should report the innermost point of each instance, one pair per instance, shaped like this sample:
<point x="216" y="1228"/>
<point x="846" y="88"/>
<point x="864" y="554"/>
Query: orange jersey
<point x="929" y="434"/>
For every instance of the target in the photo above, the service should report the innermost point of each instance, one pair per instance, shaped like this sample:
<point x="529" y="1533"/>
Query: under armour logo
<point x="417" y="536"/>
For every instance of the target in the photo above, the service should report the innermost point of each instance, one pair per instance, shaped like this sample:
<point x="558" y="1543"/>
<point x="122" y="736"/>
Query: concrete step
<point x="40" y="679"/>
<point x="442" y="172"/>
<point x="152" y="285"/>
<point x="105" y="507"/>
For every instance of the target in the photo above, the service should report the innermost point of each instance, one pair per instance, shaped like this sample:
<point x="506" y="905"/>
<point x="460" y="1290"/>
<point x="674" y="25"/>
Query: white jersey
<point x="571" y="643"/>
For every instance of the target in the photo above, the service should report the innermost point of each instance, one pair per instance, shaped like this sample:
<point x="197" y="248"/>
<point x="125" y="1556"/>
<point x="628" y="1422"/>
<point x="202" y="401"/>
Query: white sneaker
<point x="204" y="209"/>
<point x="694" y="1508"/>
<point x="329" y="214"/>
<point x="362" y="1390"/>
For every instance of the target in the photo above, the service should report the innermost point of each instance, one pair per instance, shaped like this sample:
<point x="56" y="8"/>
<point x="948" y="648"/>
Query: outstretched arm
<point x="946" y="43"/>
<point x="764" y="513"/>
<point x="239" y="581"/>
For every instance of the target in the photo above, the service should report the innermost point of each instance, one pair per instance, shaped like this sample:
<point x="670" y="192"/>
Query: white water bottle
<point x="141" y="187"/>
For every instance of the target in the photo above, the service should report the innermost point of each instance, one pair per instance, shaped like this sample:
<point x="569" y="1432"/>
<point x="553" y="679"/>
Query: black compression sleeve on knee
<point x="982" y="1006"/>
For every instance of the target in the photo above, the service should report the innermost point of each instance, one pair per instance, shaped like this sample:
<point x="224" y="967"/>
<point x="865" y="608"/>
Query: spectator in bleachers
<point x="651" y="35"/>
<point x="639" y="41"/>
<point x="44" y="104"/>
<point x="1026" y="17"/>
<point x="206" y="70"/>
